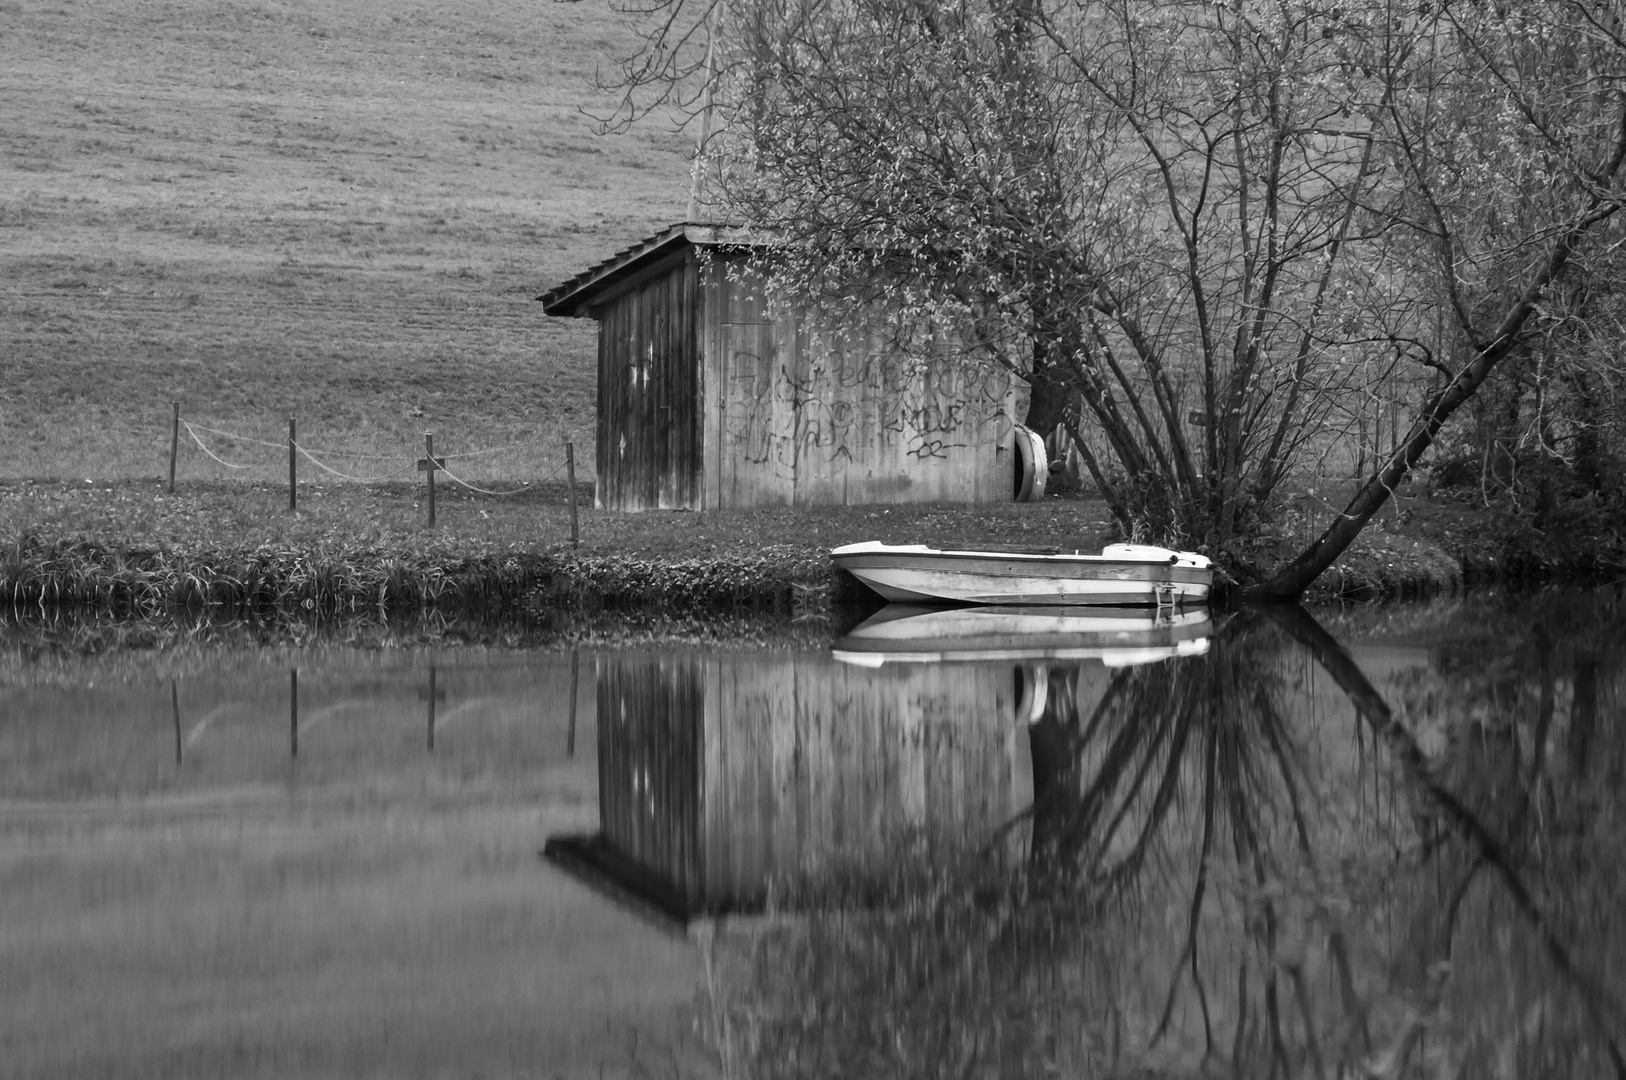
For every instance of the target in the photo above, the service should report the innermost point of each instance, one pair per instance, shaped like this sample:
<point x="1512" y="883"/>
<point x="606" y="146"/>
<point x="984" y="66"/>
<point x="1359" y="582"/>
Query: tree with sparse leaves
<point x="1502" y="130"/>
<point x="1206" y="234"/>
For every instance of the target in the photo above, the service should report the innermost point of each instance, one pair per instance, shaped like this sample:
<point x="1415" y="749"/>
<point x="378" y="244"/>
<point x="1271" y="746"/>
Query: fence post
<point x="570" y="478"/>
<point x="293" y="479"/>
<point x="174" y="442"/>
<point x="429" y="453"/>
<point x="428" y="464"/>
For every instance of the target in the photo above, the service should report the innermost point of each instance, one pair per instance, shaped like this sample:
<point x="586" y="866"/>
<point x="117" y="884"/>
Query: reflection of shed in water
<point x="719" y="775"/>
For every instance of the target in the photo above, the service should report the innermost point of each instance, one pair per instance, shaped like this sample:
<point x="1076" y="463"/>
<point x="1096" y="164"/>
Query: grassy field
<point x="339" y="213"/>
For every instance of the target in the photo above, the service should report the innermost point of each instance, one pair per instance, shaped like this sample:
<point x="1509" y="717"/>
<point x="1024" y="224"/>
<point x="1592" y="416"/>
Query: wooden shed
<point x="711" y="397"/>
<point x="722" y="774"/>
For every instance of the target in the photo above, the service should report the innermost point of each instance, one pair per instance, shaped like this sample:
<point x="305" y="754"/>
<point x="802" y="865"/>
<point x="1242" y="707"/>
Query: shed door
<point x="649" y="436"/>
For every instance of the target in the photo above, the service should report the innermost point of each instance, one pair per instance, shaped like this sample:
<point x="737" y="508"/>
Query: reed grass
<point x="265" y="580"/>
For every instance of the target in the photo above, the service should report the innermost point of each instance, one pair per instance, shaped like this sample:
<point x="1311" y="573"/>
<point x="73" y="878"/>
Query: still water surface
<point x="1375" y="842"/>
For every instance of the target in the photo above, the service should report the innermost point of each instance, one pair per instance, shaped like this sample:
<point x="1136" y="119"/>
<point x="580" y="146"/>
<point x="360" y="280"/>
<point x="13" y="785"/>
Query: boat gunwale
<point x="917" y="573"/>
<point x="1102" y="569"/>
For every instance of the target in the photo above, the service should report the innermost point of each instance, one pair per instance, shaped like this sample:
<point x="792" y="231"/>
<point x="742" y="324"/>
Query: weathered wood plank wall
<point x="810" y="763"/>
<point x="650" y="717"/>
<point x="720" y="774"/>
<point x="711" y="397"/>
<point x="649" y="443"/>
<point x="812" y="413"/>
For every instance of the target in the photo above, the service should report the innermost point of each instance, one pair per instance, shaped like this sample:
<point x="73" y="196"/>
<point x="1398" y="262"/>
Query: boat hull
<point x="1116" y="636"/>
<point x="925" y="576"/>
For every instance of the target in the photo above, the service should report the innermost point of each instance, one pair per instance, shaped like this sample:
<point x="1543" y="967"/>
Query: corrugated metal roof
<point x="573" y="297"/>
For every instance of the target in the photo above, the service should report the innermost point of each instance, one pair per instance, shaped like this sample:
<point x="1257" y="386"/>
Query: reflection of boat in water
<point x="1121" y="574"/>
<point x="1115" y="636"/>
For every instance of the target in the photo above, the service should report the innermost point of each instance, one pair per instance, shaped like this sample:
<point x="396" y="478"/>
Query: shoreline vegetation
<point x="129" y="549"/>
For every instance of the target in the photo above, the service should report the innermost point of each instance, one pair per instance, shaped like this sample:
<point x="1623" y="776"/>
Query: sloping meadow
<point x="335" y="213"/>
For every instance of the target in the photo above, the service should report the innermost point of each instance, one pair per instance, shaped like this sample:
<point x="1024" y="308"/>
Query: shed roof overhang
<point x="582" y="295"/>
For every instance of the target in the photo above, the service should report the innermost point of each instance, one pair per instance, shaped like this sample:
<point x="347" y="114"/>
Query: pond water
<point x="1368" y="842"/>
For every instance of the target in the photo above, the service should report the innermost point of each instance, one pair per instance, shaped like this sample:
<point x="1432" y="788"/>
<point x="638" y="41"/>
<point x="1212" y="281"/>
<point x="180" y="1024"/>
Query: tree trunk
<point x="1050" y="387"/>
<point x="1291" y="580"/>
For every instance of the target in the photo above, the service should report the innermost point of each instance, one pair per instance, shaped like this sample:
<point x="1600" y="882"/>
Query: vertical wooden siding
<point x="811" y="763"/>
<point x="649" y="740"/>
<point x="718" y="775"/>
<point x="649" y="452"/>
<point x="812" y="413"/>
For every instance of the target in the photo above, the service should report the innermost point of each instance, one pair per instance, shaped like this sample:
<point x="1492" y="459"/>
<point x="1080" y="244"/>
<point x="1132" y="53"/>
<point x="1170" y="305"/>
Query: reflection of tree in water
<point x="1180" y="801"/>
<point x="1246" y="864"/>
<point x="1515" y="890"/>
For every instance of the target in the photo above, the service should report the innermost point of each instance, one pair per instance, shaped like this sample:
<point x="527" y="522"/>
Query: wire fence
<point x="242" y="454"/>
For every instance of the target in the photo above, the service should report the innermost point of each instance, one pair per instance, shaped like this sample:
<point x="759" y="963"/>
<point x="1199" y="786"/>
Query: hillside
<point x="340" y="213"/>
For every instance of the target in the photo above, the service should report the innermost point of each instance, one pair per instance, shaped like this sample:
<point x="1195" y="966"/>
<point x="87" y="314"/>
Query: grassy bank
<point x="132" y="549"/>
<point x="343" y="581"/>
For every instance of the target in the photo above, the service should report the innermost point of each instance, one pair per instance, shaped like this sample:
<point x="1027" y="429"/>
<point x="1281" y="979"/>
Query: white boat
<point x="1123" y="574"/>
<point x="907" y="633"/>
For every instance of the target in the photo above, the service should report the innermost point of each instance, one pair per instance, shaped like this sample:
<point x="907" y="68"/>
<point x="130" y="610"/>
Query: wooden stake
<point x="428" y="464"/>
<point x="570" y="478"/>
<point x="293" y="478"/>
<point x="174" y="442"/>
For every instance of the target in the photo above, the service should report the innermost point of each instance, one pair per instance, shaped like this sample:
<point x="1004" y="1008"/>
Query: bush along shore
<point x="1450" y="548"/>
<point x="123" y="582"/>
